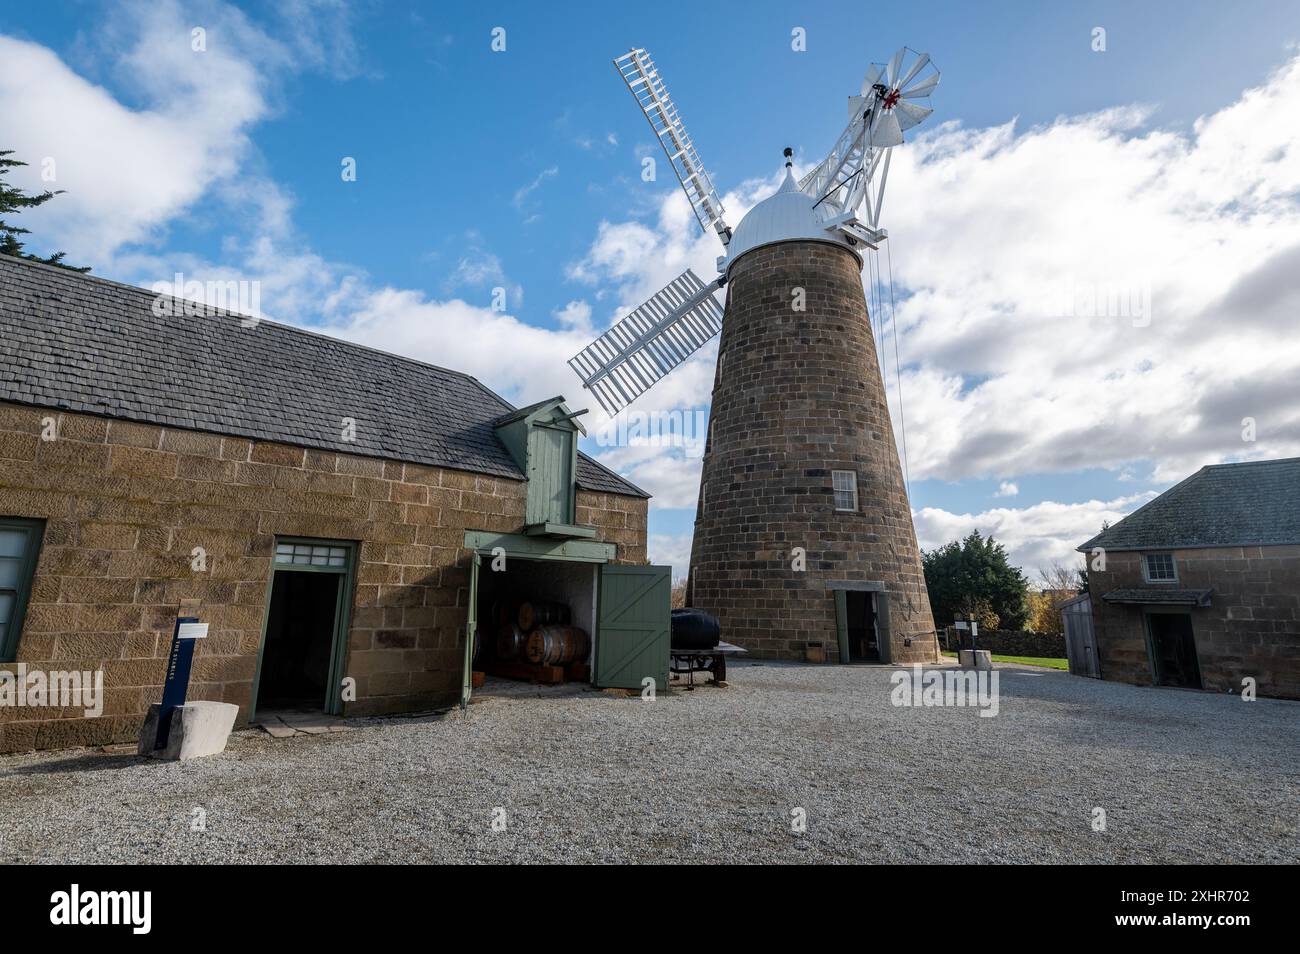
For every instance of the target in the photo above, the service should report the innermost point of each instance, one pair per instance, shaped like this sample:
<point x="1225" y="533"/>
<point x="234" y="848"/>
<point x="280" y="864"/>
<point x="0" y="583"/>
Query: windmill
<point x="803" y="535"/>
<point x="847" y="188"/>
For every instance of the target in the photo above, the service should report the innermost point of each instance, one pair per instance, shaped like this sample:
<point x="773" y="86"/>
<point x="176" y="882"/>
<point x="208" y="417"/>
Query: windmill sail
<point x="627" y="360"/>
<point x="642" y="78"/>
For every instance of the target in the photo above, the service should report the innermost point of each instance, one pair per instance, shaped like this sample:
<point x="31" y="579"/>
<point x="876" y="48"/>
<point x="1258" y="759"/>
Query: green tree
<point x="973" y="578"/>
<point x="13" y="201"/>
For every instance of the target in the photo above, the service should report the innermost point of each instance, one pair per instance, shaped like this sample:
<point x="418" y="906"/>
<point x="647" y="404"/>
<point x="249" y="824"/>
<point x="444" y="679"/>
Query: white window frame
<point x="1146" y="568"/>
<point x="852" y="488"/>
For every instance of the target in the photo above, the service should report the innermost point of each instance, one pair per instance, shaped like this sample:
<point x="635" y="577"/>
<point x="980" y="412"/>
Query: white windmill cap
<point x="786" y="215"/>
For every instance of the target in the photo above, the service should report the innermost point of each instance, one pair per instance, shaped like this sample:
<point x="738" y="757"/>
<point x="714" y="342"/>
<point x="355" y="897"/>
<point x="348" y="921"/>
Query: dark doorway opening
<point x="299" y="640"/>
<point x="1174" y="650"/>
<point x="864" y="633"/>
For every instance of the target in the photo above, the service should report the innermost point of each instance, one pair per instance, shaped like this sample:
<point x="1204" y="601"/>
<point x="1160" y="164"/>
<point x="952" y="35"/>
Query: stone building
<point x="1201" y="586"/>
<point x="804" y="545"/>
<point x="320" y="504"/>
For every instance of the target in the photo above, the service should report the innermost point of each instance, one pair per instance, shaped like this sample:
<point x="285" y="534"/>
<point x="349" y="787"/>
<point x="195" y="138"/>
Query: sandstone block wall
<point x="1251" y="627"/>
<point x="798" y="394"/>
<point x="124" y="505"/>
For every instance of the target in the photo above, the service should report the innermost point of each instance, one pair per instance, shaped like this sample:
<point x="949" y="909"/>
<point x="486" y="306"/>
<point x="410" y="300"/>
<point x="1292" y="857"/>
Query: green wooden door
<point x="633" y="626"/>
<point x="550" y="475"/>
<point x="471" y="630"/>
<point x="842" y="624"/>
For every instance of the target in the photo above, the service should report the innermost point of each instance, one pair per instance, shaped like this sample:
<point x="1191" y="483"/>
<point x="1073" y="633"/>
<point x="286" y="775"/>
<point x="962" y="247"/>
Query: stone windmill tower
<point x="804" y="545"/>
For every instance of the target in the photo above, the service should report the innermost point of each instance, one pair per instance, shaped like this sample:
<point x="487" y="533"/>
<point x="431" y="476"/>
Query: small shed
<point x="1080" y="643"/>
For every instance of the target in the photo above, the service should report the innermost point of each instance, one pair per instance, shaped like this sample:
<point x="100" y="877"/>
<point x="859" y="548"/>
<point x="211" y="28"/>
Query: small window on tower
<point x="1159" y="568"/>
<point x="845" y="485"/>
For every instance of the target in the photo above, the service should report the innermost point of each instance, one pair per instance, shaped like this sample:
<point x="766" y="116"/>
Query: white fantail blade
<point x="887" y="131"/>
<point x="910" y="114"/>
<point x="852" y="176"/>
<point x="642" y="77"/>
<point x="874" y="73"/>
<point x="895" y="65"/>
<point x="923" y="88"/>
<point x="626" y="361"/>
<point x="916" y="68"/>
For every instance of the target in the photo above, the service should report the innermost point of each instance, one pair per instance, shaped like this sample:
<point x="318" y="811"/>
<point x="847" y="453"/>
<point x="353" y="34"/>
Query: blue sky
<point x="520" y="169"/>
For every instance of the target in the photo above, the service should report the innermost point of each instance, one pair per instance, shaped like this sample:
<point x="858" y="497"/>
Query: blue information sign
<point x="188" y="629"/>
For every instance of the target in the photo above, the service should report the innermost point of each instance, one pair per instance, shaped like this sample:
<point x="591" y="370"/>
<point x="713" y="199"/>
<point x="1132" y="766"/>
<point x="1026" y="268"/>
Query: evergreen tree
<point x="13" y="201"/>
<point x="973" y="578"/>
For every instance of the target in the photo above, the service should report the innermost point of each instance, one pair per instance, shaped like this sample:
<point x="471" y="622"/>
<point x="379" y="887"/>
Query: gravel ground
<point x="710" y="775"/>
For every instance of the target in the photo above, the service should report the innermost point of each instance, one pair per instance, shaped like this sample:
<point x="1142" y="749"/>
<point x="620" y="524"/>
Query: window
<point x="310" y="554"/>
<point x="20" y="542"/>
<point x="1159" y="568"/>
<point x="845" y="485"/>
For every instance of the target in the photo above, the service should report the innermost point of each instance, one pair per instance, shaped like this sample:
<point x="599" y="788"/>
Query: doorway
<point x="304" y="641"/>
<point x="861" y="622"/>
<point x="864" y="637"/>
<point x="1173" y="650"/>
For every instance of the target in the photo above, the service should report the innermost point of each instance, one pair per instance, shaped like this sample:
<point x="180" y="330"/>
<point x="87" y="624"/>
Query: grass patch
<point x="1047" y="662"/>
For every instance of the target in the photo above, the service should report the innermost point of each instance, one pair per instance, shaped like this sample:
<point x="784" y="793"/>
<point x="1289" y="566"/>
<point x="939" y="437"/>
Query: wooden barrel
<point x="499" y="615"/>
<point x="511" y="641"/>
<point x="557" y="645"/>
<point x="534" y="613"/>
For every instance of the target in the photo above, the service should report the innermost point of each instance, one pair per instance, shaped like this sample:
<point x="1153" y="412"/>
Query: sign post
<point x="188" y="629"/>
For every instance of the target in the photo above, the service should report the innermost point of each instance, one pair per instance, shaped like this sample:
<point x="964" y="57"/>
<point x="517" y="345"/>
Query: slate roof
<point x="1255" y="503"/>
<point x="80" y="343"/>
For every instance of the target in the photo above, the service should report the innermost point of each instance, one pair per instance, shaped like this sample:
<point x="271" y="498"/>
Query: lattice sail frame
<point x="629" y="358"/>
<point x="642" y="77"/>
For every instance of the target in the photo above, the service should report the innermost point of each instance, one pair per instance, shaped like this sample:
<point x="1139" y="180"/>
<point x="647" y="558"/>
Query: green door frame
<point x="342" y="616"/>
<point x="471" y="630"/>
<point x="842" y="625"/>
<point x="880" y="601"/>
<point x="519" y="546"/>
<point x="35" y="530"/>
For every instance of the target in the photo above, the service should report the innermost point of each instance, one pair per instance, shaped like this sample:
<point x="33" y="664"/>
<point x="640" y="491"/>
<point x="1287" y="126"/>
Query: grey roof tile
<point x="1254" y="503"/>
<point x="81" y="343"/>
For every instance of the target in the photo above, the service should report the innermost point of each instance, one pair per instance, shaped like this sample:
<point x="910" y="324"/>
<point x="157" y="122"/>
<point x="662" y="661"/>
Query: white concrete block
<point x="198" y="729"/>
<point x="975" y="659"/>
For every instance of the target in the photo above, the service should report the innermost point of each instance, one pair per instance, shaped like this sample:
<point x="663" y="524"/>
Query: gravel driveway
<point x="710" y="775"/>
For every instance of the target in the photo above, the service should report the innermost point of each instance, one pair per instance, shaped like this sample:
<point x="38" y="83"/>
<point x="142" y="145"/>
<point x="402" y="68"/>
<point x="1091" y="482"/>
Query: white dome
<point x="788" y="215"/>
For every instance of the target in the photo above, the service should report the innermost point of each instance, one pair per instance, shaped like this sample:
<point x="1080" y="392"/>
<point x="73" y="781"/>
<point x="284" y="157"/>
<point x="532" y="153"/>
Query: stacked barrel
<point x="539" y="632"/>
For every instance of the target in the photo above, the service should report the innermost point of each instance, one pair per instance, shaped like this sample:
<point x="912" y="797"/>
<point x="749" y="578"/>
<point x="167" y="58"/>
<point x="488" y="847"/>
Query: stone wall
<point x="125" y="504"/>
<point x="798" y="394"/>
<point x="1251" y="627"/>
<point x="1012" y="642"/>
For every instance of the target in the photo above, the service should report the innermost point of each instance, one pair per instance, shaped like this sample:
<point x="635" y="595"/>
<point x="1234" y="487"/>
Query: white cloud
<point x="672" y="550"/>
<point x="988" y="225"/>
<point x="129" y="172"/>
<point x="1034" y="536"/>
<point x="523" y="192"/>
<point x="576" y="315"/>
<point x="1007" y="489"/>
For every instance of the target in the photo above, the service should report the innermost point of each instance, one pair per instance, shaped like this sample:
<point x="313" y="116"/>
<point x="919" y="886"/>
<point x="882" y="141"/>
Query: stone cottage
<point x="275" y="483"/>
<point x="1201" y="586"/>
